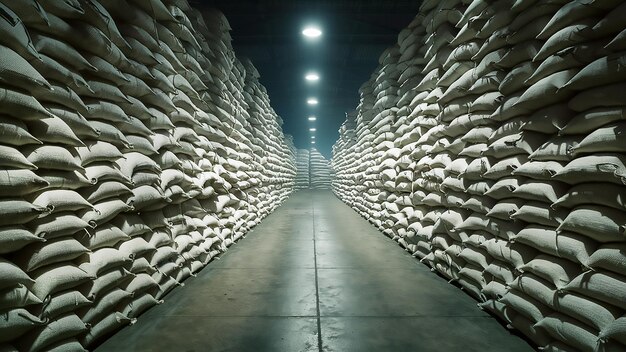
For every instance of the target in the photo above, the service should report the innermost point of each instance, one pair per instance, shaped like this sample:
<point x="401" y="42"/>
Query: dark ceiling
<point x="355" y="34"/>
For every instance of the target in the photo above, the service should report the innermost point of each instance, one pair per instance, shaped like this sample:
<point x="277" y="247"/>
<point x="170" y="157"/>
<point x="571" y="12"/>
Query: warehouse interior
<point x="321" y="175"/>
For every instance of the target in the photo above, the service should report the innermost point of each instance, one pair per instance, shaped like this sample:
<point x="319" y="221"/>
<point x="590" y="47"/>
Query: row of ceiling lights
<point x="312" y="33"/>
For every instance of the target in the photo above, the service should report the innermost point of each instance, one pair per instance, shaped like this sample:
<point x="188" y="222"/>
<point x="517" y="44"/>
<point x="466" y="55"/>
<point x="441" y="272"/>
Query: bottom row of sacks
<point x="71" y="292"/>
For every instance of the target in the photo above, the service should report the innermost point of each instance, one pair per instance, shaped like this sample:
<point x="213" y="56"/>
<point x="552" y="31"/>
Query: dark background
<point x="355" y="33"/>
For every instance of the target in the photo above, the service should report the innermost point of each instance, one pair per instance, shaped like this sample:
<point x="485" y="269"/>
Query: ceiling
<point x="355" y="33"/>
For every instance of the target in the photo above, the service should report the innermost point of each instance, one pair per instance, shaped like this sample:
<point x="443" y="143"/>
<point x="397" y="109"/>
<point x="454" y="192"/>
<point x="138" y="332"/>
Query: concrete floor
<point x="315" y="274"/>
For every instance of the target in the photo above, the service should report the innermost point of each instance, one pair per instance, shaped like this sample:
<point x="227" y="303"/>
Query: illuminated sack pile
<point x="343" y="160"/>
<point x="487" y="143"/>
<point x="135" y="148"/>
<point x="302" y="165"/>
<point x="320" y="173"/>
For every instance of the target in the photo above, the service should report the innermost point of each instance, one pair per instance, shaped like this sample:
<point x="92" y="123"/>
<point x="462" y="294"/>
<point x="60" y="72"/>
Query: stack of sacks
<point x="439" y="207"/>
<point x="590" y="302"/>
<point x="377" y="97"/>
<point x="381" y="128"/>
<point x="302" y="165"/>
<point x="402" y="181"/>
<point x="146" y="149"/>
<point x="508" y="51"/>
<point x="293" y="153"/>
<point x="320" y="173"/>
<point x="343" y="161"/>
<point x="360" y="161"/>
<point x="516" y="168"/>
<point x="274" y="158"/>
<point x="61" y="282"/>
<point x="383" y="94"/>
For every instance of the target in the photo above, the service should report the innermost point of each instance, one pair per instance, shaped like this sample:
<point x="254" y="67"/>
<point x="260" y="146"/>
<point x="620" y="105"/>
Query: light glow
<point x="312" y="77"/>
<point x="312" y="118"/>
<point x="312" y="129"/>
<point x="312" y="32"/>
<point x="312" y="101"/>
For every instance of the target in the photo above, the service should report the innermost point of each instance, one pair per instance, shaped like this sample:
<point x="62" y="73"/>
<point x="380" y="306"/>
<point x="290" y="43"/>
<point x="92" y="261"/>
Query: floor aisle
<point x="316" y="266"/>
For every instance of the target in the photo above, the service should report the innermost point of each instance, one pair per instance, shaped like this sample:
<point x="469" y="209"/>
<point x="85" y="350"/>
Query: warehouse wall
<point x="490" y="144"/>
<point x="135" y="147"/>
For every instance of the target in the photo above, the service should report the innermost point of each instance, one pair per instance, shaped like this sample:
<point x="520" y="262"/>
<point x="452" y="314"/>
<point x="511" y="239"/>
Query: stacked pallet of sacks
<point x="353" y="182"/>
<point x="292" y="169"/>
<point x="273" y="153"/>
<point x="135" y="148"/>
<point x="343" y="162"/>
<point x="302" y="165"/>
<point x="320" y="172"/>
<point x="501" y="165"/>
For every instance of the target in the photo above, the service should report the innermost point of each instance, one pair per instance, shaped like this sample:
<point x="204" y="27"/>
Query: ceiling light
<point x="312" y="137"/>
<point x="312" y="129"/>
<point x="312" y="118"/>
<point x="312" y="101"/>
<point x="312" y="142"/>
<point x="312" y="77"/>
<point x="312" y="32"/>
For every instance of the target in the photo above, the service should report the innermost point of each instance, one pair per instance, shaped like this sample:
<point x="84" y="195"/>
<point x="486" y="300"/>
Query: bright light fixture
<point x="312" y="137"/>
<point x="312" y="101"/>
<point x="312" y="77"/>
<point x="312" y="118"/>
<point x="312" y="32"/>
<point x="312" y="129"/>
<point x="312" y="142"/>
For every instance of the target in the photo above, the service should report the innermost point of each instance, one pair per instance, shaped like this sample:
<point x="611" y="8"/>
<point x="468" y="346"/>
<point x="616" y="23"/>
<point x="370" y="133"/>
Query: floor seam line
<point x="317" y="288"/>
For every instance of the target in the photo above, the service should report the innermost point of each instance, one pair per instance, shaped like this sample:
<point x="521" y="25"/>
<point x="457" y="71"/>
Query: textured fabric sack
<point x="39" y="255"/>
<point x="599" y="168"/>
<point x="17" y="297"/>
<point x="52" y="157"/>
<point x="605" y="70"/>
<point x="569" y="330"/>
<point x="16" y="323"/>
<point x="610" y="256"/>
<point x="601" y="285"/>
<point x="593" y="313"/>
<point x="109" y="324"/>
<point x="606" y="194"/>
<point x="54" y="130"/>
<point x="20" y="182"/>
<point x="526" y="305"/>
<point x="616" y="330"/>
<point x="15" y="132"/>
<point x="14" y="238"/>
<point x="568" y="245"/>
<point x="588" y="121"/>
<point x="11" y="158"/>
<point x="60" y="200"/>
<point x="16" y="71"/>
<point x="17" y="211"/>
<point x="59" y="225"/>
<point x="603" y="140"/>
<point x="62" y="303"/>
<point x="12" y="275"/>
<point x="56" y="278"/>
<point x="597" y="222"/>
<point x="15" y="35"/>
<point x="504" y="208"/>
<point x="539" y="289"/>
<point x="558" y="271"/>
<point x="55" y="331"/>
